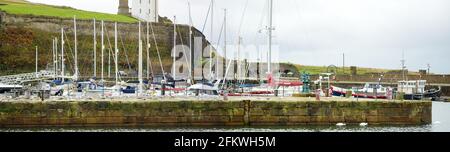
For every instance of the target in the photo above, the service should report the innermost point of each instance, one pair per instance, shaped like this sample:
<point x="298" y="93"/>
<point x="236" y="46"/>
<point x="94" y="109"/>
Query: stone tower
<point x="124" y="9"/>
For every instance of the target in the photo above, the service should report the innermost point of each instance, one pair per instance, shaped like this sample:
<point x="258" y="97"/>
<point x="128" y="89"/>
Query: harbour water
<point x="440" y="119"/>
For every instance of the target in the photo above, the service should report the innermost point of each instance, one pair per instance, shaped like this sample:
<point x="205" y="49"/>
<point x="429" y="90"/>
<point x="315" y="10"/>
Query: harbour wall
<point x="390" y="78"/>
<point x="212" y="113"/>
<point x="433" y="81"/>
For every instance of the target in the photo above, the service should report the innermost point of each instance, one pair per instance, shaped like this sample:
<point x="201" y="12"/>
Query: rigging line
<point x="126" y="54"/>
<point x="157" y="51"/>
<point x="239" y="30"/>
<point x="218" y="43"/>
<point x="261" y="27"/>
<point x="110" y="47"/>
<point x="242" y="18"/>
<point x="184" y="50"/>
<point x="220" y="34"/>
<point x="150" y="65"/>
<point x="71" y="52"/>
<point x="190" y="17"/>
<point x="109" y="42"/>
<point x="207" y="16"/>
<point x="147" y="39"/>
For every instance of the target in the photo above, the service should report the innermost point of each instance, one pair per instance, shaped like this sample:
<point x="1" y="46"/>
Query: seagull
<point x="340" y="124"/>
<point x="363" y="124"/>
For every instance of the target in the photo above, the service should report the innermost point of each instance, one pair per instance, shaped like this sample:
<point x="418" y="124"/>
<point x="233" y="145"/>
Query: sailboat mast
<point x="211" y="37"/>
<point x="109" y="62"/>
<point x="95" y="50"/>
<point x="174" y="45"/>
<point x="103" y="48"/>
<point x="53" y="58"/>
<point x="225" y="43"/>
<point x="238" y="58"/>
<point x="269" y="57"/>
<point x="76" y="51"/>
<point x="190" y="44"/>
<point x="37" y="61"/>
<point x="148" y="54"/>
<point x="56" y="57"/>
<point x="140" y="61"/>
<point x="62" y="55"/>
<point x="116" y="54"/>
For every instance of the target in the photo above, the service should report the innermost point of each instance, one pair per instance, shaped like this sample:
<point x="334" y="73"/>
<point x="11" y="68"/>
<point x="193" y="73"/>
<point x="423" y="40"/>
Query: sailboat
<point x="63" y="85"/>
<point x="210" y="87"/>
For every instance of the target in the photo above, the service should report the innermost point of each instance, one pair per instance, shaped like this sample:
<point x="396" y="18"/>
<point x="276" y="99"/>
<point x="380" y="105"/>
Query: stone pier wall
<point x="211" y="113"/>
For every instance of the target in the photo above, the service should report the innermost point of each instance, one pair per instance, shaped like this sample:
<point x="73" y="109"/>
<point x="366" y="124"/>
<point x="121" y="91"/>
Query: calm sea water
<point x="440" y="119"/>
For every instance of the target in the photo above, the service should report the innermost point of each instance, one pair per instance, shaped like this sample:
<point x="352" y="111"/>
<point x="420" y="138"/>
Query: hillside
<point x="360" y="70"/>
<point x="20" y="7"/>
<point x="20" y="32"/>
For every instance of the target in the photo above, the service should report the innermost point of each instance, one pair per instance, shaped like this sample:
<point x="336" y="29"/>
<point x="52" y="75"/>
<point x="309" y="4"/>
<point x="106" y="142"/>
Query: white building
<point x="145" y="10"/>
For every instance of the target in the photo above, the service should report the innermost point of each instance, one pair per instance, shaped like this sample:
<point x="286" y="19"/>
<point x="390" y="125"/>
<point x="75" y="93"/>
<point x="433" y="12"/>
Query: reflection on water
<point x="440" y="118"/>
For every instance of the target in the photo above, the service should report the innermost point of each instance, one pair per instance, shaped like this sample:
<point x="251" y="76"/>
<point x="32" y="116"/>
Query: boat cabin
<point x="412" y="87"/>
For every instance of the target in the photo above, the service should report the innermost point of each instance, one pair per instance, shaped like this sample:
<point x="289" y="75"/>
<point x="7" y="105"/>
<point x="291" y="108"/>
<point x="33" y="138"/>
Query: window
<point x="140" y="11"/>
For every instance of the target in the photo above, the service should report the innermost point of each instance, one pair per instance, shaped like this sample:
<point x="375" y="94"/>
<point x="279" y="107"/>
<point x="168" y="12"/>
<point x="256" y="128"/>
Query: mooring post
<point x="42" y="95"/>
<point x="225" y="95"/>
<point x="163" y="89"/>
<point x="318" y="94"/>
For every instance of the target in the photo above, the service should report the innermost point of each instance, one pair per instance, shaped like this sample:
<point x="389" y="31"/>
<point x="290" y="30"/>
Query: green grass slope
<point x="24" y="8"/>
<point x="323" y="69"/>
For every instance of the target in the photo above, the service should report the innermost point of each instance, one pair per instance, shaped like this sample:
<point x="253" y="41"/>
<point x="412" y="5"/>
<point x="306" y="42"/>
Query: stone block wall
<point x="211" y="113"/>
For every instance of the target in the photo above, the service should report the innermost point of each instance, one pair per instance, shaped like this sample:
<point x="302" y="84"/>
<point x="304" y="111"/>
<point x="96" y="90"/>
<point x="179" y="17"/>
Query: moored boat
<point x="415" y="90"/>
<point x="370" y="90"/>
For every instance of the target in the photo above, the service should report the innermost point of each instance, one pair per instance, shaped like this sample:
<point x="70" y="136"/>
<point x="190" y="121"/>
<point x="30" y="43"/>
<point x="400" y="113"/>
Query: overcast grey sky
<point x="371" y="33"/>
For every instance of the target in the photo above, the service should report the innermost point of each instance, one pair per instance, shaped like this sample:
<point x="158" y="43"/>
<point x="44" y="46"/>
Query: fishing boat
<point x="415" y="90"/>
<point x="433" y="94"/>
<point x="370" y="90"/>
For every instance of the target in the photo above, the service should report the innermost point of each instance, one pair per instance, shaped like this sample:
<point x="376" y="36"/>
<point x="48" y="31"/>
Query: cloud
<point x="372" y="33"/>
